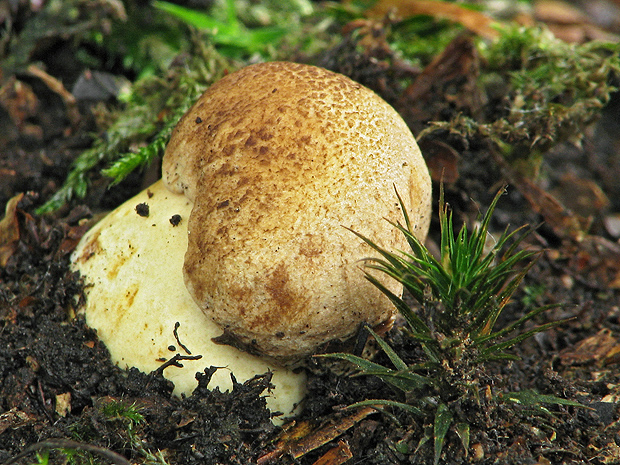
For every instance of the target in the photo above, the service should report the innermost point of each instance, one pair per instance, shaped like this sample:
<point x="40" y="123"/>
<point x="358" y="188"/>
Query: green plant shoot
<point x="461" y="295"/>
<point x="230" y="35"/>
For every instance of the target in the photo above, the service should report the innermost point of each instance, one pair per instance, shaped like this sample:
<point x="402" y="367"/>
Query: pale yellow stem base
<point x="132" y="265"/>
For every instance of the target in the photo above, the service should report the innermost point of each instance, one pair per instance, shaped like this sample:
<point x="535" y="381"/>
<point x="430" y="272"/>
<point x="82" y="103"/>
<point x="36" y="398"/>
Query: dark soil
<point x="57" y="383"/>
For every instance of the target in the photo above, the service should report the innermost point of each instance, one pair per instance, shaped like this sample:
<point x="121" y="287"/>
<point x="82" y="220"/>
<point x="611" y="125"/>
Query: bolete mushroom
<point x="266" y="172"/>
<point x="278" y="159"/>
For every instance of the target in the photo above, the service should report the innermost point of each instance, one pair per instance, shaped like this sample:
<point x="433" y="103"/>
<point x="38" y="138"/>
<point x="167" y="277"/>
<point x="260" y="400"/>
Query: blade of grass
<point x="388" y="403"/>
<point x="443" y="420"/>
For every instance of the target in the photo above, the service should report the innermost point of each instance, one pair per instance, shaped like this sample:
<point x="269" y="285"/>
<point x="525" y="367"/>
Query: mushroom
<point x="279" y="159"/>
<point x="246" y="234"/>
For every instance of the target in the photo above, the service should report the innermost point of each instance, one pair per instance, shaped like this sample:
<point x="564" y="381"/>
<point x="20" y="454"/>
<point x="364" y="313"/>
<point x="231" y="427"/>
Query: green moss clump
<point x="539" y="91"/>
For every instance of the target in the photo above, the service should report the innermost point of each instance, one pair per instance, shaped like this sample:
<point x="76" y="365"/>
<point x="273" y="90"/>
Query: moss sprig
<point x="140" y="132"/>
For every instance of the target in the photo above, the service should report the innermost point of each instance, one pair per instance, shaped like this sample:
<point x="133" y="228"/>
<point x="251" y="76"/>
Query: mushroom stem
<point x="132" y="267"/>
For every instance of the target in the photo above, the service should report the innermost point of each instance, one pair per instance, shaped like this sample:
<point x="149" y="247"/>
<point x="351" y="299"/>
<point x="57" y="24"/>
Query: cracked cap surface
<point x="278" y="159"/>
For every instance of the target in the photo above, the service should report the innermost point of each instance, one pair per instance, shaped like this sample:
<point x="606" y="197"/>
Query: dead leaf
<point x="609" y="454"/>
<point x="299" y="439"/>
<point x="63" y="403"/>
<point x="329" y="433"/>
<point x="73" y="114"/>
<point x="582" y="196"/>
<point x="600" y="349"/>
<point x="594" y="261"/>
<point x="613" y="356"/>
<point x="72" y="237"/>
<point x="470" y="19"/>
<point x="9" y="230"/>
<point x="14" y="419"/>
<point x="569" y="23"/>
<point x="556" y="11"/>
<point x="542" y="461"/>
<point x="565" y="223"/>
<point x="20" y="103"/>
<point x="448" y="82"/>
<point x="336" y="455"/>
<point x="442" y="160"/>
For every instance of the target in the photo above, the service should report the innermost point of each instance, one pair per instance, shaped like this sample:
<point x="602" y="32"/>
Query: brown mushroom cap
<point x="278" y="159"/>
